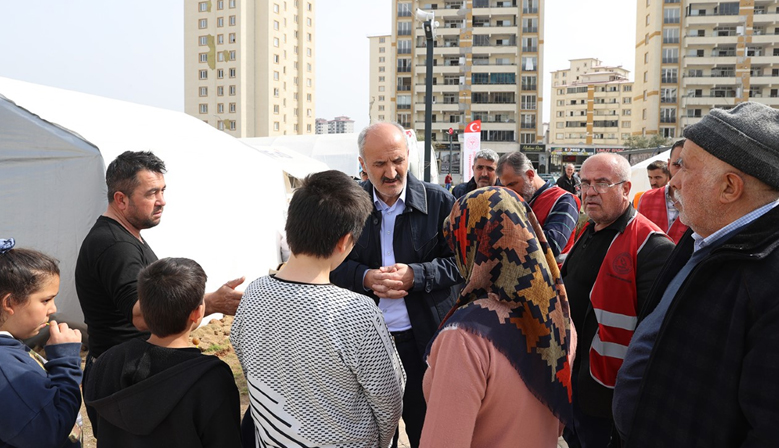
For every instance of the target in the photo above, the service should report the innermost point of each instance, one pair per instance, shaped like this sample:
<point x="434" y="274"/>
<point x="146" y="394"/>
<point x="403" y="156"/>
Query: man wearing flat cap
<point x="702" y="368"/>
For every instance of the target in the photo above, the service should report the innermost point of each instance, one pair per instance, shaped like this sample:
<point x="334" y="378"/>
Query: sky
<point x="120" y="50"/>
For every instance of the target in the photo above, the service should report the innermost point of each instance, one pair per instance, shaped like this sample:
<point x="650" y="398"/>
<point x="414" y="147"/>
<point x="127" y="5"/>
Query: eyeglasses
<point x="600" y="187"/>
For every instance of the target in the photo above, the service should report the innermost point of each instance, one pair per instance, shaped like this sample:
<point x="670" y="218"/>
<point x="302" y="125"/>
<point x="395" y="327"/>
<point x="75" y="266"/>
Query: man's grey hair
<point x="364" y="135"/>
<point x="517" y="161"/>
<point x="486" y="154"/>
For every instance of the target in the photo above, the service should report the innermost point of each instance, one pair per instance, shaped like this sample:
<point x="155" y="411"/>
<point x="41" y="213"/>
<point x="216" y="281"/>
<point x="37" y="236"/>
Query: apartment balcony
<point x="495" y="8"/>
<point x="711" y="19"/>
<point x="765" y="60"/>
<point x="769" y="39"/>
<point x="492" y="68"/>
<point x="440" y="31"/>
<point x="772" y="101"/>
<point x="709" y="81"/>
<point x="709" y="61"/>
<point x="439" y="107"/>
<point x="709" y="101"/>
<point x="438" y="88"/>
<point x="709" y="41"/>
<point x="494" y="87"/>
<point x="765" y="19"/>
<point x="495" y="107"/>
<point x="438" y="125"/>
<point x="764" y="80"/>
<point x="441" y="69"/>
<point x="529" y="29"/>
<point x="442" y="50"/>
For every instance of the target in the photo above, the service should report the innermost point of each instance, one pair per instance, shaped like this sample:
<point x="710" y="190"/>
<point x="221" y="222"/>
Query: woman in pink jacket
<point x="499" y="370"/>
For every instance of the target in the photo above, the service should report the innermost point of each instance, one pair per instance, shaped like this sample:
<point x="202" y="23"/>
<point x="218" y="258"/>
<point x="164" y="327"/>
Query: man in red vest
<point x="607" y="274"/>
<point x="658" y="205"/>
<point x="556" y="209"/>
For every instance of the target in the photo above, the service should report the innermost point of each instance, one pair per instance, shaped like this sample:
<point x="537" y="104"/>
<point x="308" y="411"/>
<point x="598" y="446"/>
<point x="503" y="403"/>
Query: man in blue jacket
<point x="402" y="259"/>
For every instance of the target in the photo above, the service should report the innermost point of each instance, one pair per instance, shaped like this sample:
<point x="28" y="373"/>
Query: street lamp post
<point x="429" y="24"/>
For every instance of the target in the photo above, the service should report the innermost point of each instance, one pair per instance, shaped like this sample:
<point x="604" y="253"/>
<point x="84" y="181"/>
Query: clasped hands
<point x="390" y="282"/>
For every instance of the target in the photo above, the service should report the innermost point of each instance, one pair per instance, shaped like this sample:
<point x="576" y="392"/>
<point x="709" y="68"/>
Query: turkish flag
<point x="474" y="126"/>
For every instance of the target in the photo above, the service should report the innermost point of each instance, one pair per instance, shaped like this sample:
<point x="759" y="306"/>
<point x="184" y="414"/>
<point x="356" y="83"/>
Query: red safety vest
<point x="614" y="299"/>
<point x="652" y="205"/>
<point x="544" y="204"/>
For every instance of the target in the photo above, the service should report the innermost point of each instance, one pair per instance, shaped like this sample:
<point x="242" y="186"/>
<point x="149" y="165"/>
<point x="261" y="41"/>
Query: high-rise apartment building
<point x="591" y="104"/>
<point x="382" y="78"/>
<point x="338" y="125"/>
<point x="487" y="65"/>
<point x="692" y="56"/>
<point x="249" y="65"/>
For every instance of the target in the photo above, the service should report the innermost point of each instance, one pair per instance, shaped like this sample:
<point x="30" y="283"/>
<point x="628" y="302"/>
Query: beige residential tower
<point x="249" y="65"/>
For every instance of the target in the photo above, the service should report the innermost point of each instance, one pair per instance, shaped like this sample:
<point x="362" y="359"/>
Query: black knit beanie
<point x="745" y="137"/>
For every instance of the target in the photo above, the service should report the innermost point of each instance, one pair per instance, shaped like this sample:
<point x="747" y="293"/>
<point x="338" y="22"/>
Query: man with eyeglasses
<point x="658" y="204"/>
<point x="607" y="275"/>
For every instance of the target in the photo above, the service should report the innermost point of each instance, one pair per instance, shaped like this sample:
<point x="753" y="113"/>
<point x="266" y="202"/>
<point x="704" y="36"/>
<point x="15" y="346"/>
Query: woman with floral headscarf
<point x="499" y="370"/>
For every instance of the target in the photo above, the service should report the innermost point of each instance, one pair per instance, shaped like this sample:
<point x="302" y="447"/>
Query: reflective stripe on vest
<point x="614" y="299"/>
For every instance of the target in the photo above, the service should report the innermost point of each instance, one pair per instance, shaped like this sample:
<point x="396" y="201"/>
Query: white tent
<point x="225" y="200"/>
<point x="638" y="175"/>
<point x="340" y="151"/>
<point x="337" y="151"/>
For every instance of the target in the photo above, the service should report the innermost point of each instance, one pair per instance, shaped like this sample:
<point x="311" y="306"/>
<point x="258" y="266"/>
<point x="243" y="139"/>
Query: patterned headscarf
<point x="513" y="294"/>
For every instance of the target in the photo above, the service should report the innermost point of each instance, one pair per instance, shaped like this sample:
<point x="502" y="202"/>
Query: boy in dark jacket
<point x="163" y="392"/>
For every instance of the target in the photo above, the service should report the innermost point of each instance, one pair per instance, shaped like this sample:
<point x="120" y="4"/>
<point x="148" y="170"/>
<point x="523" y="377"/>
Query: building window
<point x="220" y="39"/>
<point x="220" y="91"/>
<point x="202" y="23"/>
<point x="276" y="25"/>
<point x="231" y="38"/>
<point x="232" y="108"/>
<point x="220" y="73"/>
<point x="220" y="4"/>
<point x="220" y="125"/>
<point x="232" y="3"/>
<point x="308" y="68"/>
<point x="308" y="52"/>
<point x="203" y="74"/>
<point x="276" y="42"/>
<point x="232" y="72"/>
<point x="308" y="82"/>
<point x="308" y="112"/>
<point x="220" y="21"/>
<point x="275" y="59"/>
<point x="203" y="40"/>
<point x="220" y="56"/>
<point x="203" y="6"/>
<point x="220" y="108"/>
<point x="232" y="20"/>
<point x="276" y="109"/>
<point x="308" y="21"/>
<point x="232" y="55"/>
<point x="204" y="108"/>
<point x="309" y="6"/>
<point x="275" y="125"/>
<point x="204" y="91"/>
<point x="203" y="57"/>
<point x="232" y="90"/>
<point x="275" y="8"/>
<point x="275" y="76"/>
<point x="232" y="125"/>
<point x="276" y="92"/>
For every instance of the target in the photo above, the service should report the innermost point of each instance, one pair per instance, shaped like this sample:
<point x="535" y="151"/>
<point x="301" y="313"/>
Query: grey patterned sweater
<point x="321" y="366"/>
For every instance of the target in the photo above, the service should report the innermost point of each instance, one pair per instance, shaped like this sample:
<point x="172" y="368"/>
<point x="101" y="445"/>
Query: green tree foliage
<point x="641" y="141"/>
